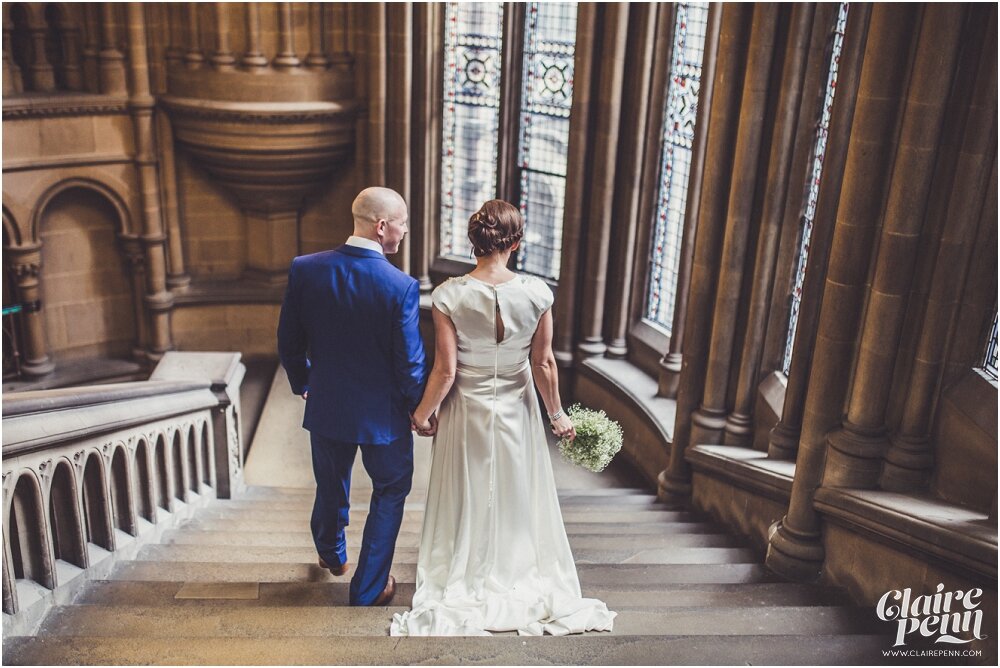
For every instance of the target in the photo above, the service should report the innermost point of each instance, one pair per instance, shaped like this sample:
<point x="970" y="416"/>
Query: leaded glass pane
<point x="690" y="27"/>
<point x="990" y="359"/>
<point x="472" y="45"/>
<point x="819" y="153"/>
<point x="546" y="99"/>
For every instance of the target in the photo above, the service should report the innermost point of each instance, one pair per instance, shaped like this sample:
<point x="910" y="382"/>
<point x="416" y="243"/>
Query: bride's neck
<point x="497" y="262"/>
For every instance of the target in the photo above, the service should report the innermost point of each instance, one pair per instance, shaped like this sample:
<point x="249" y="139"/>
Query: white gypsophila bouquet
<point x="598" y="439"/>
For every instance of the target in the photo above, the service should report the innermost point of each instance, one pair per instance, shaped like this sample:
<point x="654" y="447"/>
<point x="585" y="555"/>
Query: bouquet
<point x="598" y="439"/>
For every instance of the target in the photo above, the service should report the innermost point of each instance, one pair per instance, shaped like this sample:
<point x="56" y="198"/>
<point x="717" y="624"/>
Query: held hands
<point x="425" y="426"/>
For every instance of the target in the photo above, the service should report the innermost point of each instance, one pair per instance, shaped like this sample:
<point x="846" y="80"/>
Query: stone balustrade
<point x="91" y="474"/>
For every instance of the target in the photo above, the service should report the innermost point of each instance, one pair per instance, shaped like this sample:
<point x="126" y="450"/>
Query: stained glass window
<point x="990" y="359"/>
<point x="819" y="153"/>
<point x="690" y="27"/>
<point x="546" y="99"/>
<point x="472" y="46"/>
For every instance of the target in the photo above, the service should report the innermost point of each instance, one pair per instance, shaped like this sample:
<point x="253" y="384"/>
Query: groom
<point x="348" y="338"/>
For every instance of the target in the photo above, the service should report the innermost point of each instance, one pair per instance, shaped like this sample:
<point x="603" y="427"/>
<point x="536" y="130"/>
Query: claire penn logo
<point x="942" y="614"/>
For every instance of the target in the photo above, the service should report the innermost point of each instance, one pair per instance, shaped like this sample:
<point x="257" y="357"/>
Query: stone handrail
<point x="91" y="474"/>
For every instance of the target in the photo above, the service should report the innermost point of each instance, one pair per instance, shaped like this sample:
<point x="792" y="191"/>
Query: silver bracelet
<point x="555" y="416"/>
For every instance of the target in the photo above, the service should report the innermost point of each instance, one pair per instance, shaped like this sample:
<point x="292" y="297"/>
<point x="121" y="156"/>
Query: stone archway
<point x="87" y="291"/>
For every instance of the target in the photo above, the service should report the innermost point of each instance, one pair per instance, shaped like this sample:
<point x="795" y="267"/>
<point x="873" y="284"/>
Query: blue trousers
<point x="391" y="470"/>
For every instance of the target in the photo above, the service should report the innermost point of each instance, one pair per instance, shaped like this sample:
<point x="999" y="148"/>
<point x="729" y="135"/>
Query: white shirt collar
<point x="361" y="242"/>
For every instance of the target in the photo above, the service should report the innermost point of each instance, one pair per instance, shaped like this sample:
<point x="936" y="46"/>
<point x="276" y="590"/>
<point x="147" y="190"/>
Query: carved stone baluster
<point x="223" y="58"/>
<point x="316" y="60"/>
<point x="286" y="58"/>
<point x="253" y="58"/>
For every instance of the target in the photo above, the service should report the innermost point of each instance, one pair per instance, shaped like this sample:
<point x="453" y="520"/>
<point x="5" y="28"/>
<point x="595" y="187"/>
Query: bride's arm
<point x="546" y="374"/>
<point x="442" y="375"/>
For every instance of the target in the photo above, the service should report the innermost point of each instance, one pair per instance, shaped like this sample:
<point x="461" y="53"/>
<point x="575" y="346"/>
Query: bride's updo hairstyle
<point x="497" y="226"/>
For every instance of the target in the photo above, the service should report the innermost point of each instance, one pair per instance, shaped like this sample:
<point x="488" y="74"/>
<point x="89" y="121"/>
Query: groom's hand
<point x="433" y="426"/>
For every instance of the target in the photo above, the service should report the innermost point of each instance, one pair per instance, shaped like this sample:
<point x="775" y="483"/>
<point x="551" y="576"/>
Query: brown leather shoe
<point x="336" y="570"/>
<point x="387" y="593"/>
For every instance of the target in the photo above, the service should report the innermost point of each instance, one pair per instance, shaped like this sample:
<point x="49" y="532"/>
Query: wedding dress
<point x="493" y="549"/>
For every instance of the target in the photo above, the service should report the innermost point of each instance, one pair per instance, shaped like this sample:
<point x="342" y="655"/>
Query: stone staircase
<point x="239" y="584"/>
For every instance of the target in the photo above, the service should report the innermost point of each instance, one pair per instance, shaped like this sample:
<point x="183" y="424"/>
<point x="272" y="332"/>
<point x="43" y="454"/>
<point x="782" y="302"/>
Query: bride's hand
<point x="563" y="427"/>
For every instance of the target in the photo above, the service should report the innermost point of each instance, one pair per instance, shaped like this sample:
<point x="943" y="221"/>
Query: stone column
<point x="222" y="58"/>
<point x="286" y="58"/>
<point x="672" y="361"/>
<point x="40" y="71"/>
<point x="426" y="102"/>
<point x="69" y="37"/>
<point x="674" y="485"/>
<point x="910" y="458"/>
<point x="12" y="82"/>
<point x="111" y="59"/>
<point x="605" y="144"/>
<point x="376" y="52"/>
<point x="177" y="276"/>
<point x="575" y="212"/>
<point x="739" y="424"/>
<point x="317" y="59"/>
<point x="26" y="262"/>
<point x="159" y="301"/>
<point x="91" y="47"/>
<point x="854" y="458"/>
<point x="254" y="58"/>
<point x="783" y="441"/>
<point x="629" y="174"/>
<point x="193" y="57"/>
<point x="795" y="546"/>
<point x="710" y="418"/>
<point x="399" y="107"/>
<point x="136" y="256"/>
<point x="175" y="51"/>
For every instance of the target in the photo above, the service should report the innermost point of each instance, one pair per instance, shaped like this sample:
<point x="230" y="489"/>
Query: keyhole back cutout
<point x="500" y="331"/>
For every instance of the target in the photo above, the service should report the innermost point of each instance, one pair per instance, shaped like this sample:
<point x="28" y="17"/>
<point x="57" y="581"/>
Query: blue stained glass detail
<point x="546" y="101"/>
<point x="819" y="153"/>
<point x="680" y="115"/>
<point x="472" y="72"/>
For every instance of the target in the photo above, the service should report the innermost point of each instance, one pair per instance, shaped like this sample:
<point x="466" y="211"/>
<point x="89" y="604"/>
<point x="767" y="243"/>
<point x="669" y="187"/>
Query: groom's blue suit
<point x="348" y="334"/>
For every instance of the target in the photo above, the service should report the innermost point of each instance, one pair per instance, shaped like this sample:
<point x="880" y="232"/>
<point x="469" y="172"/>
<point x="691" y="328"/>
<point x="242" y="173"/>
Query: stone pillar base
<point x="783" y="442"/>
<point x="853" y="458"/>
<point x="38" y="368"/>
<point x="738" y="430"/>
<point x="794" y="555"/>
<point x="707" y="425"/>
<point x="670" y="375"/>
<point x="674" y="492"/>
<point x="908" y="465"/>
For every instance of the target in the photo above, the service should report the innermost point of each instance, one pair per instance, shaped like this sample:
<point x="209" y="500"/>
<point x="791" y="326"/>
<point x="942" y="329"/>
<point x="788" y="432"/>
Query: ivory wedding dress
<point x="493" y="549"/>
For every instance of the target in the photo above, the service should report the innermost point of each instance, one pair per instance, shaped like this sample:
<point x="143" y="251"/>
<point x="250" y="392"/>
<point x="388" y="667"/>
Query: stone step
<point x="248" y="524"/>
<point x="500" y="650"/>
<point x="591" y="575"/>
<point x="599" y="515"/>
<point x="408" y="555"/>
<point x="293" y="539"/>
<point x="254" y="492"/>
<point x="221" y="620"/>
<point x="627" y="597"/>
<point x="416" y="501"/>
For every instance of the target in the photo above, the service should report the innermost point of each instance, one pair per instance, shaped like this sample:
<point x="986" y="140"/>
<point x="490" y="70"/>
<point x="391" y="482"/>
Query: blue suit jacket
<point x="348" y="333"/>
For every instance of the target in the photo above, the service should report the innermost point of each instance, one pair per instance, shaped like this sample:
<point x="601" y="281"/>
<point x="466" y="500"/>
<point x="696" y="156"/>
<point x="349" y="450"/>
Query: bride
<point x="493" y="549"/>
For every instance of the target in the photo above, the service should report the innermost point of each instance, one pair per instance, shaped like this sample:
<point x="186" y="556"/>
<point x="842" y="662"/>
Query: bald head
<point x="380" y="215"/>
<point x="376" y="203"/>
